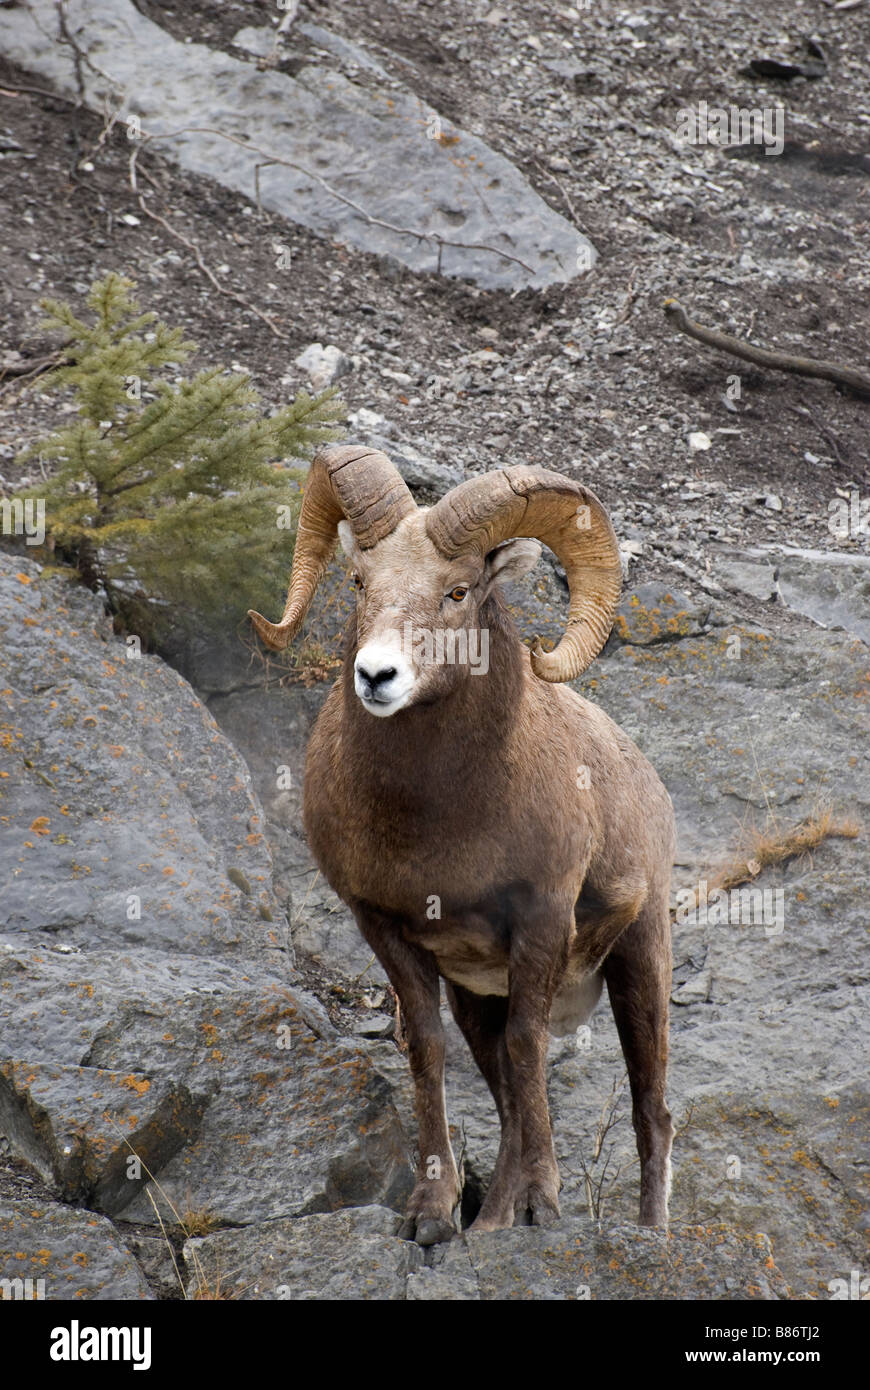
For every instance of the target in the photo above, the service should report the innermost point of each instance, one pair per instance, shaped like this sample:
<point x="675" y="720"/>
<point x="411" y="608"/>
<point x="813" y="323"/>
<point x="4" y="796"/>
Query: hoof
<point x="534" y="1209"/>
<point x="523" y="1204"/>
<point x="426" y="1230"/>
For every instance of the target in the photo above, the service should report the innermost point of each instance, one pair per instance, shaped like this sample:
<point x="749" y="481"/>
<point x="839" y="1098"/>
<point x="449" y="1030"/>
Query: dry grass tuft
<point x="192" y="1224"/>
<point x="214" y="1292"/>
<point x="774" y="846"/>
<point x="198" y="1223"/>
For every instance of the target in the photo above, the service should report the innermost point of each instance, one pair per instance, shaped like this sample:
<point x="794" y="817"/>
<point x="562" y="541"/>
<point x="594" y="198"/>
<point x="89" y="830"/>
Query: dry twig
<point x="849" y="377"/>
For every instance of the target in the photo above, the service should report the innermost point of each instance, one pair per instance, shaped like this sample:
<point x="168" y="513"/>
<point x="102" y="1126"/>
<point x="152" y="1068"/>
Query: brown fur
<point x="470" y="796"/>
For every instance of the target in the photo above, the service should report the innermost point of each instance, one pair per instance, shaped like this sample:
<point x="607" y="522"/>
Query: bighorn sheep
<point x="491" y="828"/>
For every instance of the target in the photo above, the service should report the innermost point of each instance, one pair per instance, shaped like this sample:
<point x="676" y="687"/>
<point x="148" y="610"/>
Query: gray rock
<point x="392" y="159"/>
<point x="129" y="818"/>
<point x="157" y="1259"/>
<point x="351" y="1254"/>
<point x="324" y="365"/>
<point x="575" y="1261"/>
<point x="417" y="470"/>
<point x="177" y="1045"/>
<point x="79" y="1126"/>
<point x="829" y="587"/>
<point x="746" y="576"/>
<point x="263" y="43"/>
<point x="785" y="1160"/>
<point x="297" y="1125"/>
<point x="76" y="1254"/>
<point x="348" y="52"/>
<point x="356" y="1255"/>
<point x="695" y="990"/>
<point x="654" y="613"/>
<point x="226" y="1081"/>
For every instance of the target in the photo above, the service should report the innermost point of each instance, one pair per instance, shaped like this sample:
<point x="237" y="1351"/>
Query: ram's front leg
<point x="413" y="975"/>
<point x="525" y="1185"/>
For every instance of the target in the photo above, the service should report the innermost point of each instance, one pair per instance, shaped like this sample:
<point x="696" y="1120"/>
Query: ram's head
<point x="424" y="574"/>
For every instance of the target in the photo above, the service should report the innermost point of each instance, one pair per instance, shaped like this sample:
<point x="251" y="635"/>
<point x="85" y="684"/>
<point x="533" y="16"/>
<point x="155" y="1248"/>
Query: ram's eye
<point x="358" y="584"/>
<point x="458" y="594"/>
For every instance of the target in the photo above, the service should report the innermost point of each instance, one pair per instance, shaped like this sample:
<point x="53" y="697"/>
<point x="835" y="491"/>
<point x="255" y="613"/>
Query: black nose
<point x="378" y="678"/>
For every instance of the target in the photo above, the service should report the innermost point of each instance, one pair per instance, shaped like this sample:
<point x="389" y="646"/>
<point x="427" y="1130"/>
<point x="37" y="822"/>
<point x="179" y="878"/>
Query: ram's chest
<point x="414" y="867"/>
<point x="421" y="884"/>
<point x="471" y="950"/>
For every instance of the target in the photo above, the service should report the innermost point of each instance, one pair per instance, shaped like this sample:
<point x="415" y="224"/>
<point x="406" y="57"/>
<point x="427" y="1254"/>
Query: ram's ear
<point x="347" y="541"/>
<point x="511" y="561"/>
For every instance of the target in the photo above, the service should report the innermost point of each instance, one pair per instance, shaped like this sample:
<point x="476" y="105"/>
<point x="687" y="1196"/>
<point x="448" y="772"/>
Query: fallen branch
<point x="552" y="177"/>
<point x="27" y="366"/>
<point x="9" y="90"/>
<point x="21" y="372"/>
<point x="762" y="357"/>
<point x="81" y="58"/>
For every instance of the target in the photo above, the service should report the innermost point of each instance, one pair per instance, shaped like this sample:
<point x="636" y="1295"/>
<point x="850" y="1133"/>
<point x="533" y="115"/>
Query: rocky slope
<point x="188" y="1015"/>
<point x="163" y="1051"/>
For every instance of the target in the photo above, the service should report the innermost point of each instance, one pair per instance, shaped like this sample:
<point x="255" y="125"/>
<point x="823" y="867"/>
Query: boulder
<point x="371" y="165"/>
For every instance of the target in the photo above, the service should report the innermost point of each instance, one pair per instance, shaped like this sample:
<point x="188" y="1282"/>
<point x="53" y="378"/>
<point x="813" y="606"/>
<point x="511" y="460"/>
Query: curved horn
<point x="483" y="512"/>
<point x="349" y="482"/>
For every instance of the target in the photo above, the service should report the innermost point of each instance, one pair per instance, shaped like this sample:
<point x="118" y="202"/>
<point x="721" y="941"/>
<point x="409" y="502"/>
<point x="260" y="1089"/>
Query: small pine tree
<point x="168" y="492"/>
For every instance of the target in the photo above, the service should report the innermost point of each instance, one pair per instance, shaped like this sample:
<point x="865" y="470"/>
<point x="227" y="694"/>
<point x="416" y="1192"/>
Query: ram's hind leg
<point x="638" y="975"/>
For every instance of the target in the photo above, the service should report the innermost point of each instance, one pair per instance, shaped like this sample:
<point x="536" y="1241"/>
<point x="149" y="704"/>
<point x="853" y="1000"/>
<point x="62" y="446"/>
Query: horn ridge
<point x="525" y="500"/>
<point x="344" y="481"/>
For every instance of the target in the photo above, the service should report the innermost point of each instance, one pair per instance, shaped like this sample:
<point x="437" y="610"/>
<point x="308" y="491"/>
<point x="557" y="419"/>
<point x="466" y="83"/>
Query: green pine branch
<point x="174" y="494"/>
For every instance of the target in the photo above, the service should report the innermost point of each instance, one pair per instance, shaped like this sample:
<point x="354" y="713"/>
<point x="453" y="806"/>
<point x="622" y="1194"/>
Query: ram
<point x="484" y="823"/>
